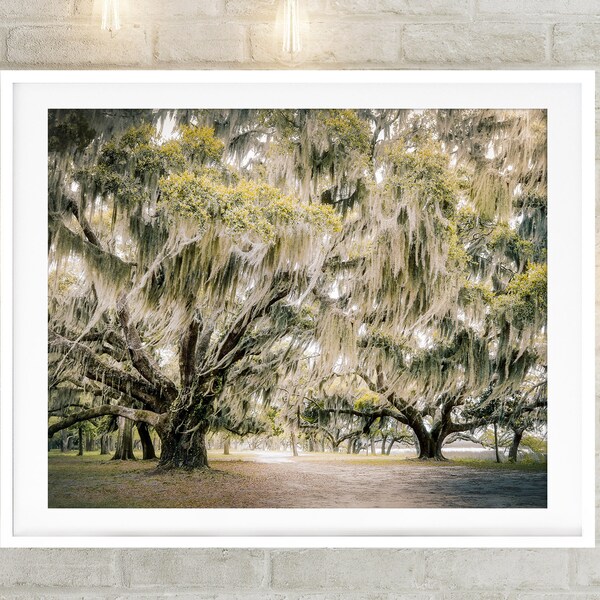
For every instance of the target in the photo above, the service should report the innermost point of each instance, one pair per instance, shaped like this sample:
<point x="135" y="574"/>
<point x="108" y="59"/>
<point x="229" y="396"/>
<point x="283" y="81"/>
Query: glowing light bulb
<point x="111" y="19"/>
<point x="291" y="27"/>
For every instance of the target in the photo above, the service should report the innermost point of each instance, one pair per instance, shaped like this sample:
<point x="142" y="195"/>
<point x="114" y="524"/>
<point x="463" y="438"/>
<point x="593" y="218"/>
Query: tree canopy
<point x="362" y="268"/>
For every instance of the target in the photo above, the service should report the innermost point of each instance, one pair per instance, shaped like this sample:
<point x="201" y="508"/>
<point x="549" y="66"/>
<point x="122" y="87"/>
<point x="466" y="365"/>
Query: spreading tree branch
<point x="89" y="233"/>
<point x="228" y="352"/>
<point x="142" y="361"/>
<point x="145" y="416"/>
<point x="187" y="352"/>
<point x="93" y="368"/>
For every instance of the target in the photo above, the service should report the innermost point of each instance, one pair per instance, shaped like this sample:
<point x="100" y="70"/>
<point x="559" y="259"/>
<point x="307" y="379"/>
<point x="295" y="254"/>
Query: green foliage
<point x="391" y="346"/>
<point x="62" y="284"/>
<point x="476" y="292"/>
<point x="367" y="401"/>
<point x="138" y="137"/>
<point x="525" y="301"/>
<point x="490" y="193"/>
<point x="69" y="130"/>
<point x="274" y="421"/>
<point x="139" y="154"/>
<point x="535" y="444"/>
<point x="199" y="144"/>
<point x="458" y="257"/>
<point x="424" y="171"/>
<point x="505" y="239"/>
<point x="345" y="128"/>
<point x="467" y="220"/>
<point x="531" y="285"/>
<point x="247" y="207"/>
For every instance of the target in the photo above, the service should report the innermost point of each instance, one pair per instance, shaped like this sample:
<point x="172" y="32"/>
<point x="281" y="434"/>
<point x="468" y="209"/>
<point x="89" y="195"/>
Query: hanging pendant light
<point x="111" y="18"/>
<point x="292" y="43"/>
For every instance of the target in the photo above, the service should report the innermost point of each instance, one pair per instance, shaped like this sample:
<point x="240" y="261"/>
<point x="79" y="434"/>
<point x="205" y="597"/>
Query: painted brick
<point x="265" y="44"/>
<point x="64" y="594"/>
<point x="165" y="9"/>
<point x="597" y="402"/>
<point x="540" y="9"/>
<point x="577" y="43"/>
<point x="48" y="568"/>
<point x="35" y="9"/>
<point x="557" y="596"/>
<point x="463" y="595"/>
<point x="270" y="9"/>
<point x="597" y="137"/>
<point x="201" y="42"/>
<point x="474" y="43"/>
<point x="153" y="10"/>
<point x="218" y="569"/>
<point x="326" y="43"/>
<point x="497" y="570"/>
<point x="381" y="570"/>
<point x="252" y="8"/>
<point x="587" y="567"/>
<point x="171" y="594"/>
<point x="77" y="46"/>
<point x="3" y="37"/>
<point x="364" y="596"/>
<point x="401" y="8"/>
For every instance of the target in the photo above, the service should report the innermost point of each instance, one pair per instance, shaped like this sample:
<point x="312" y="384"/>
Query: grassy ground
<point x="271" y="480"/>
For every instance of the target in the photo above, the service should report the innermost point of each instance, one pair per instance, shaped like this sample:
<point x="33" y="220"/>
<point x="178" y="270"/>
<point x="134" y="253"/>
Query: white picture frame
<point x="25" y="519"/>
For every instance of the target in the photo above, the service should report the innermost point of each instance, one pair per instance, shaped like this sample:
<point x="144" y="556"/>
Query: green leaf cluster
<point x="345" y="128"/>
<point x="424" y="171"/>
<point x="367" y="401"/>
<point x="245" y="207"/>
<point x="525" y="300"/>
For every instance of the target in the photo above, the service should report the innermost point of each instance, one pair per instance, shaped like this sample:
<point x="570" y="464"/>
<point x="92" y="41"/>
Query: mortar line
<point x="473" y="10"/>
<point x="549" y="41"/>
<point x="267" y="578"/>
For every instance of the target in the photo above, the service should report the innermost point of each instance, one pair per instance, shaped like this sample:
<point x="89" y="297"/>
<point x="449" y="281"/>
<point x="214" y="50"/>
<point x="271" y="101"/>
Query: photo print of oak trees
<point x="342" y="299"/>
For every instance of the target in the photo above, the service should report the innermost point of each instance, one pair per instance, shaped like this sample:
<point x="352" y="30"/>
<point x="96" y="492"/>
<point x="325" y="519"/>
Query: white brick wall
<point x="470" y="44"/>
<point x="343" y="33"/>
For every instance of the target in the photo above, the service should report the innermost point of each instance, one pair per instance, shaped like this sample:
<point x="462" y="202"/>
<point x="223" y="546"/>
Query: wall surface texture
<point x="371" y="34"/>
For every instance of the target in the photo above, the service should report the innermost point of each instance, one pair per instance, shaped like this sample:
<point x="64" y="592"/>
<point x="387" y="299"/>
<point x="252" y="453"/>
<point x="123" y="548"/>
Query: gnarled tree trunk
<point x="496" y="450"/>
<point x="383" y="444"/>
<point x="64" y="440"/>
<point x="513" y="453"/>
<point x="293" y="443"/>
<point x="183" y="439"/>
<point x="186" y="451"/>
<point x="124" y="449"/>
<point x="146" y="441"/>
<point x="104" y="446"/>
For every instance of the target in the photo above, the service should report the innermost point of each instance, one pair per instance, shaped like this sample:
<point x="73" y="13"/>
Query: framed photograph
<point x="297" y="309"/>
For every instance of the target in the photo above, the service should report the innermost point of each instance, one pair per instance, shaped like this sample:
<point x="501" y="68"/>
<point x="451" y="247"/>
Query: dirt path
<point x="404" y="484"/>
<point x="315" y="481"/>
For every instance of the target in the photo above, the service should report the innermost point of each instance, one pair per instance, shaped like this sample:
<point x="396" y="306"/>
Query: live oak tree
<point x="176" y="254"/>
<point x="478" y="230"/>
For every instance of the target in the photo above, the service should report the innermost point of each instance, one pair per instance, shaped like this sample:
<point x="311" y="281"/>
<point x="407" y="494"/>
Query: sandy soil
<point x="278" y="481"/>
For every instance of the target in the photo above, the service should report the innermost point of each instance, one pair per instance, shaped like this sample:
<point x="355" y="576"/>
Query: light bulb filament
<point x="111" y="19"/>
<point x="291" y="27"/>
